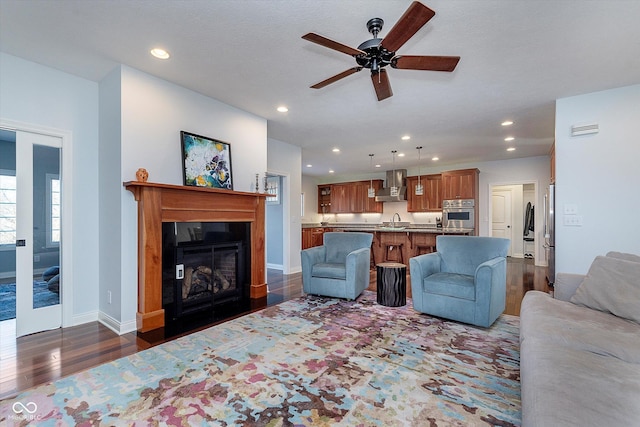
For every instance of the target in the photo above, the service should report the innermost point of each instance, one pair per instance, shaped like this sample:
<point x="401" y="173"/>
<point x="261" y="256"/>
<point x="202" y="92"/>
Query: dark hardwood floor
<point x="47" y="356"/>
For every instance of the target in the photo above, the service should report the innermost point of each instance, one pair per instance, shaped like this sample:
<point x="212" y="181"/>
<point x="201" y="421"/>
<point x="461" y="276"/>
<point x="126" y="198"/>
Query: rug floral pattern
<point x="310" y="361"/>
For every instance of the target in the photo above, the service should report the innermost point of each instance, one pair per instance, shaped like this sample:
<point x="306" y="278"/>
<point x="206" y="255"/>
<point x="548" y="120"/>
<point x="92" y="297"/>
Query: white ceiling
<point x="518" y="57"/>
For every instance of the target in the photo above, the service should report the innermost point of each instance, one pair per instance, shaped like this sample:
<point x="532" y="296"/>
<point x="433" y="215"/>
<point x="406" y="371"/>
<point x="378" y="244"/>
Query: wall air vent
<point x="577" y="130"/>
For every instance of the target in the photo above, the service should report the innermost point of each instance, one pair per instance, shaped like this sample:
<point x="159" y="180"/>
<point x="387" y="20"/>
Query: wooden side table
<point x="391" y="284"/>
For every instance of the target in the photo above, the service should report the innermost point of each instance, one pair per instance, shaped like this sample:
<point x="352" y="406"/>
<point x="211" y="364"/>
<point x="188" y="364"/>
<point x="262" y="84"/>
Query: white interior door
<point x="38" y="231"/>
<point x="501" y="215"/>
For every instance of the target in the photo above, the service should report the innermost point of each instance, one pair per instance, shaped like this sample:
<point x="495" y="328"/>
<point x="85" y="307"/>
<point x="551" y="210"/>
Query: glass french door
<point x="30" y="228"/>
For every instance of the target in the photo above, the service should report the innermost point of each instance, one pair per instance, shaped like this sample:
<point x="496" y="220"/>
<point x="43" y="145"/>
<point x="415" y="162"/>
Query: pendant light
<point x="419" y="189"/>
<point x="393" y="191"/>
<point x="372" y="191"/>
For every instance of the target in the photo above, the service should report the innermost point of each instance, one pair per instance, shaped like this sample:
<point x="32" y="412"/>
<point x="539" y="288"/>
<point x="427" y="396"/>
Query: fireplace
<point x="165" y="203"/>
<point x="204" y="270"/>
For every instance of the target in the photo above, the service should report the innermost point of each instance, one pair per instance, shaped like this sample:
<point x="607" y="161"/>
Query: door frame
<point x="538" y="253"/>
<point x="286" y="218"/>
<point x="66" y="240"/>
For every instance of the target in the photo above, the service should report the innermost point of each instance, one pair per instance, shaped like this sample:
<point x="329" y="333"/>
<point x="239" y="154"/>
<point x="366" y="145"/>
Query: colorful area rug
<point x="309" y="361"/>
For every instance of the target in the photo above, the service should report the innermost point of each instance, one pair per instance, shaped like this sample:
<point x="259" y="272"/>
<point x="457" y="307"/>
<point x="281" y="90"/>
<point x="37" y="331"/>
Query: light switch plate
<point x="573" y="220"/>
<point x="570" y="209"/>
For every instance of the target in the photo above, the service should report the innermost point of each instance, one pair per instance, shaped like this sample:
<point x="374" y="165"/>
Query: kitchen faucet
<point x="393" y="223"/>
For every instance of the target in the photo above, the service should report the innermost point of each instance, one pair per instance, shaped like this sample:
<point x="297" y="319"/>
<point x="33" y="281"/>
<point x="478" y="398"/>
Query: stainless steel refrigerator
<point x="550" y="232"/>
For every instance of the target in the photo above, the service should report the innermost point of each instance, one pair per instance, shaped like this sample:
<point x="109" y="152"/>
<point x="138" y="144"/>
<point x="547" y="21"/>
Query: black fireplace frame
<point x="219" y="305"/>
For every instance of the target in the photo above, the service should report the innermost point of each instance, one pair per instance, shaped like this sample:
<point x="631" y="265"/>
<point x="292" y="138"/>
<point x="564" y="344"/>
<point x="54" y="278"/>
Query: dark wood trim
<point x="158" y="203"/>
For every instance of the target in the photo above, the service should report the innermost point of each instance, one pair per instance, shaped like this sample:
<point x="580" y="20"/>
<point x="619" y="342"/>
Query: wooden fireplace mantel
<point x="158" y="203"/>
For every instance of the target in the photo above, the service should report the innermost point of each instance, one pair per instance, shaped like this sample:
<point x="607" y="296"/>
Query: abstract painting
<point x="206" y="161"/>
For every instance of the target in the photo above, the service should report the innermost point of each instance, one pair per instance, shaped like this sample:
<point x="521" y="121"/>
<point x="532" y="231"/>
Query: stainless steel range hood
<point x="397" y="177"/>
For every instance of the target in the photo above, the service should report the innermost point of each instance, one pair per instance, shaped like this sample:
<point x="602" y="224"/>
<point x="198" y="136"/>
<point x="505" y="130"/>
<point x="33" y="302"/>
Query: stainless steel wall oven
<point x="458" y="213"/>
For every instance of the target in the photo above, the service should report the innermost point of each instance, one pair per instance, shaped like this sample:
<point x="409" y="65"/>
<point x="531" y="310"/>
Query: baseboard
<point x="80" y="319"/>
<point x="297" y="269"/>
<point x="275" y="266"/>
<point x="115" y="325"/>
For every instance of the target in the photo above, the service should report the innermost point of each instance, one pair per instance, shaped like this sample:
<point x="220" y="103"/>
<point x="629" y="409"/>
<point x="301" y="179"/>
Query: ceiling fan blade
<point x="336" y="78"/>
<point x="413" y="19"/>
<point x="430" y="63"/>
<point x="381" y="84"/>
<point x="331" y="44"/>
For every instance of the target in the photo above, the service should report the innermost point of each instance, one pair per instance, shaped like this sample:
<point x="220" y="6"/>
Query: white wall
<point x="38" y="95"/>
<point x="110" y="205"/>
<point x="286" y="160"/>
<point x="154" y="112"/>
<point x="599" y="174"/>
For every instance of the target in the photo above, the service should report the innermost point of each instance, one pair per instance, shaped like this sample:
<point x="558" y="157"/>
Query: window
<point x="53" y="210"/>
<point x="7" y="208"/>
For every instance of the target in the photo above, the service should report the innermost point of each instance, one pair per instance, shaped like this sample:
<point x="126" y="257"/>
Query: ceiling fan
<point x="375" y="54"/>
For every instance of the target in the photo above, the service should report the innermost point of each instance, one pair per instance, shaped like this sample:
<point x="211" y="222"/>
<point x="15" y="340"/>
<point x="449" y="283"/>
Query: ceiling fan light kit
<point x="376" y="54"/>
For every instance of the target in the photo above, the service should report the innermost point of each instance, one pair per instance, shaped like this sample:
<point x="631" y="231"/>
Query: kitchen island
<point x="390" y="243"/>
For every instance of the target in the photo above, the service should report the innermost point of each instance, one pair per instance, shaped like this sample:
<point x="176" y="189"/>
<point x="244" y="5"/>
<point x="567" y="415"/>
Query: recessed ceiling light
<point x="400" y="154"/>
<point x="331" y="171"/>
<point x="507" y="123"/>
<point x="282" y="109"/>
<point x="509" y="138"/>
<point x="378" y="166"/>
<point x="309" y="165"/>
<point x="435" y="159"/>
<point x="406" y="138"/>
<point x="511" y="149"/>
<point x="336" y="150"/>
<point x="160" y="53"/>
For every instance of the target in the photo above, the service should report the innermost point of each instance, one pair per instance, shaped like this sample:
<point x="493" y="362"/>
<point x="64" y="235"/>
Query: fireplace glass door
<point x="206" y="276"/>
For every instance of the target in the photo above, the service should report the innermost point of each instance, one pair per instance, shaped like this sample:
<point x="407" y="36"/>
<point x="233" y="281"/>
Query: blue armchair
<point x="465" y="280"/>
<point x="340" y="267"/>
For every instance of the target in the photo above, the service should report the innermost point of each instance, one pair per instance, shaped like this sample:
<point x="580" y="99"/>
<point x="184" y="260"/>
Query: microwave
<point x="458" y="213"/>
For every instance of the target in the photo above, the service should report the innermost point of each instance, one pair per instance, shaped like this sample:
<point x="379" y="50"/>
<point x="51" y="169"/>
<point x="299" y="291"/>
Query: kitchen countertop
<point x="413" y="228"/>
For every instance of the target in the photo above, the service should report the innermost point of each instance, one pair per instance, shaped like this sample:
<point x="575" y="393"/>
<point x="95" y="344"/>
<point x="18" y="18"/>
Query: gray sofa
<point x="580" y="362"/>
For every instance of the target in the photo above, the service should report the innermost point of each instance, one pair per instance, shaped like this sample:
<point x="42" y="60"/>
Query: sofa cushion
<point x="563" y="386"/>
<point x="450" y="284"/>
<point x="329" y="271"/>
<point x="622" y="255"/>
<point x="612" y="285"/>
<point x="568" y="325"/>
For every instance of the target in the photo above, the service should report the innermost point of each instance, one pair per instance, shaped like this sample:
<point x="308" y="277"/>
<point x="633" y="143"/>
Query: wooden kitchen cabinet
<point x="312" y="237"/>
<point x="324" y="199"/>
<point x="348" y="197"/>
<point x="341" y="198"/>
<point x="431" y="198"/>
<point x="460" y="184"/>
<point x="369" y="205"/>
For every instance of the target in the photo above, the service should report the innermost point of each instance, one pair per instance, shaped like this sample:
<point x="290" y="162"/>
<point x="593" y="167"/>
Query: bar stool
<point x="372" y="258"/>
<point x="424" y="249"/>
<point x="389" y="247"/>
